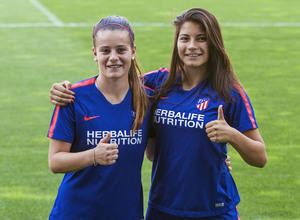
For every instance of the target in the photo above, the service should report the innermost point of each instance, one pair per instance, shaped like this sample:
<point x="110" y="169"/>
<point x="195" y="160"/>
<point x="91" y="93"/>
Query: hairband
<point x="113" y="24"/>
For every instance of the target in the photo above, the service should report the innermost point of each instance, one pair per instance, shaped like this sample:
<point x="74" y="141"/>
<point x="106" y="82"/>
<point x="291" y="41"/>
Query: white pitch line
<point x="12" y="25"/>
<point x="47" y="13"/>
<point x="282" y="24"/>
<point x="26" y="25"/>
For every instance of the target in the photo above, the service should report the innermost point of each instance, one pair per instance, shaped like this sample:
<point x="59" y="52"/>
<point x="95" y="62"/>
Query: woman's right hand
<point x="60" y="93"/>
<point x="106" y="153"/>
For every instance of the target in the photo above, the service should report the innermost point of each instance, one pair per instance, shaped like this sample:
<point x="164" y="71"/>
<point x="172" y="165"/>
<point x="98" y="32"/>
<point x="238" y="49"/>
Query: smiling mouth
<point x="193" y="55"/>
<point x="114" y="66"/>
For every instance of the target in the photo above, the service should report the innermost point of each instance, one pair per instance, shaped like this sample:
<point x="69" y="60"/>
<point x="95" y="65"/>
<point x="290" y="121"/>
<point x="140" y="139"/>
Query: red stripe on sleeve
<point x="84" y="83"/>
<point x="247" y="104"/>
<point x="54" y="120"/>
<point x="164" y="69"/>
<point x="149" y="88"/>
<point x="160" y="69"/>
<point x="145" y="74"/>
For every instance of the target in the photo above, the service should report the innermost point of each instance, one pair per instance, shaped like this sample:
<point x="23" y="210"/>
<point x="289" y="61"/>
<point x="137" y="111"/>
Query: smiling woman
<point x="200" y="83"/>
<point x="99" y="140"/>
<point x="114" y="54"/>
<point x="199" y="106"/>
<point x="193" y="52"/>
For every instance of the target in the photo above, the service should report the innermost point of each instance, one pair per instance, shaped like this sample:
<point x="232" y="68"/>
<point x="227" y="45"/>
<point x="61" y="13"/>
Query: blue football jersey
<point x="189" y="175"/>
<point x="100" y="192"/>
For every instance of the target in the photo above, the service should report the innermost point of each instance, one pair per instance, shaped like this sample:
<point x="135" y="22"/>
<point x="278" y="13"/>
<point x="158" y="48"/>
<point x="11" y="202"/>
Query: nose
<point x="192" y="45"/>
<point x="113" y="56"/>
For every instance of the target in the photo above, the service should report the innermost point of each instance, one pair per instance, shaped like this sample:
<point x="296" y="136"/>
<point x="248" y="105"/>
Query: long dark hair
<point x="139" y="95"/>
<point x="220" y="72"/>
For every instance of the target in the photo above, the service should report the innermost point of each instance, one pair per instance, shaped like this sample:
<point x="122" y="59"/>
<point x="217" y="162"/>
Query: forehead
<point x="192" y="28"/>
<point x="112" y="38"/>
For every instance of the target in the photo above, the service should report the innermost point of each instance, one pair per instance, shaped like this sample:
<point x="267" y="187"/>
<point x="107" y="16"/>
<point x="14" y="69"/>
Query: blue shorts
<point x="153" y="214"/>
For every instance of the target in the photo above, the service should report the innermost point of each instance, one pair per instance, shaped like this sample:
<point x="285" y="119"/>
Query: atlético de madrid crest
<point x="202" y="104"/>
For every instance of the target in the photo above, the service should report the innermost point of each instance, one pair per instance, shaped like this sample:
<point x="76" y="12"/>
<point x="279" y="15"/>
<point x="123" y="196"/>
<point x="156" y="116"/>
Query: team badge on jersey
<point x="202" y="104"/>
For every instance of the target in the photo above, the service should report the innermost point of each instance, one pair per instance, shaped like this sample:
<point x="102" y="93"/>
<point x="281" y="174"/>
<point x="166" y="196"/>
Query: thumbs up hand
<point x="218" y="130"/>
<point x="220" y="113"/>
<point x="106" y="153"/>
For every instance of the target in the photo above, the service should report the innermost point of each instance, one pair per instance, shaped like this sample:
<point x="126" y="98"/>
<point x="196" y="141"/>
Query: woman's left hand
<point x="218" y="130"/>
<point x="227" y="163"/>
<point x="248" y="144"/>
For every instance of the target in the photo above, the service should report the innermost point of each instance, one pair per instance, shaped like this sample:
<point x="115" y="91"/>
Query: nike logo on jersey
<point x="89" y="118"/>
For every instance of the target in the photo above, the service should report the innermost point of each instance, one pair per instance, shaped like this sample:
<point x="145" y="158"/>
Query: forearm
<point x="150" y="148"/>
<point x="65" y="162"/>
<point x="250" y="146"/>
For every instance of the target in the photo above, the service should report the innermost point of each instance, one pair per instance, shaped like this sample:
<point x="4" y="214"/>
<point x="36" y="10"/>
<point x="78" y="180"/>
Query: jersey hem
<point x="61" y="138"/>
<point x="246" y="128"/>
<point x="191" y="214"/>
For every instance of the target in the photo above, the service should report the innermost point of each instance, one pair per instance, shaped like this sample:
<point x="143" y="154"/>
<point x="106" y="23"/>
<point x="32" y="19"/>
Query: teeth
<point x="193" y="55"/>
<point x="115" y="66"/>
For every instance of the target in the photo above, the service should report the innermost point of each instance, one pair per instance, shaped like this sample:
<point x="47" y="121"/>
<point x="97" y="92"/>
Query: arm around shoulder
<point x="60" y="93"/>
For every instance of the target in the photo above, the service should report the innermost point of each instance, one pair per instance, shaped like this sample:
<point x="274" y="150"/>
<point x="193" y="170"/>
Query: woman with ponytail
<point x="99" y="139"/>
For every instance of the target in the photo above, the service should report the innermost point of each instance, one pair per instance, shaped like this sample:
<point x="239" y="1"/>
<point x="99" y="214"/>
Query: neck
<point x="193" y="77"/>
<point x="113" y="90"/>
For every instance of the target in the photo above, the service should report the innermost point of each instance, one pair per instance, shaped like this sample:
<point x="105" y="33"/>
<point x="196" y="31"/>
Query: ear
<point x="133" y="51"/>
<point x="95" y="54"/>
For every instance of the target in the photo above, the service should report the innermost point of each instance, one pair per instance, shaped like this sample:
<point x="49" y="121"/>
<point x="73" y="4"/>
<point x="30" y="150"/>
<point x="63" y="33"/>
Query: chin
<point x="116" y="75"/>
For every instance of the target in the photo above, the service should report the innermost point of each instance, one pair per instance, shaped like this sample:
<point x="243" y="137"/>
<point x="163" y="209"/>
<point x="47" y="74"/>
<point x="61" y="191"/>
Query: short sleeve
<point x="240" y="113"/>
<point x="154" y="79"/>
<point x="62" y="126"/>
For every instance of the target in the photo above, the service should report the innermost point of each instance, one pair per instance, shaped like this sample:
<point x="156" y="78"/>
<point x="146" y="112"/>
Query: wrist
<point x="94" y="157"/>
<point x="233" y="136"/>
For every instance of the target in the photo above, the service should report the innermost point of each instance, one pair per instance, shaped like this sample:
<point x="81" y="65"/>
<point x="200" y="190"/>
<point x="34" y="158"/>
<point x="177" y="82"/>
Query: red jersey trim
<point x="160" y="69"/>
<point x="149" y="88"/>
<point x="238" y="214"/>
<point x="244" y="97"/>
<point x="55" y="116"/>
<point x="54" y="120"/>
<point x="84" y="83"/>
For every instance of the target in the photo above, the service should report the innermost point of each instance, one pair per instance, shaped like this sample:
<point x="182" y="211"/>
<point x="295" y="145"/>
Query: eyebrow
<point x="121" y="45"/>
<point x="196" y="35"/>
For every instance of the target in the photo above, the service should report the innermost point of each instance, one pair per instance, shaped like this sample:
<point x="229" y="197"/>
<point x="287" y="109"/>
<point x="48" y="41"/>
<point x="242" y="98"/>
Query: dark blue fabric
<point x="189" y="176"/>
<point x="101" y="192"/>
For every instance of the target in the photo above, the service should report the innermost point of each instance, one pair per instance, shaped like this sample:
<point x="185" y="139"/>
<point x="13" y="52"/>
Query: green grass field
<point x="261" y="37"/>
